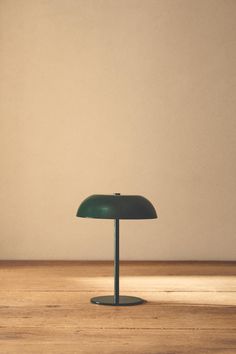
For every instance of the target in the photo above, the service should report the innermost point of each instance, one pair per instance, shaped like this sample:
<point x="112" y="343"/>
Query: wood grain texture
<point x="45" y="308"/>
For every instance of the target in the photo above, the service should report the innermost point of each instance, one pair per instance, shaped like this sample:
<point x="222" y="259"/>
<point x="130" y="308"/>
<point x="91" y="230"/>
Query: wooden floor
<point x="45" y="308"/>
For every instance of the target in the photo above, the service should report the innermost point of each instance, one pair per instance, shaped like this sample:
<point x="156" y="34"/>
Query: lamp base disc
<point x="123" y="300"/>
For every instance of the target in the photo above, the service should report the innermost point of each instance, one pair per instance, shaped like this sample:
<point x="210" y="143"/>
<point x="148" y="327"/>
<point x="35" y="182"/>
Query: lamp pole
<point x="116" y="259"/>
<point x="116" y="262"/>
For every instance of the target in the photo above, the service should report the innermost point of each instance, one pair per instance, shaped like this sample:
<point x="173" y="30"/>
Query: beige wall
<point x="128" y="96"/>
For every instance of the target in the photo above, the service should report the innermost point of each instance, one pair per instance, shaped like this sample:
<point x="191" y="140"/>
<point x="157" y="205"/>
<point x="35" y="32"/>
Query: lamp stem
<point x="116" y="262"/>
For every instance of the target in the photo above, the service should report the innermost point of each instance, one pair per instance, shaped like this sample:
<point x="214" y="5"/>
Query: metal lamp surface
<point x="116" y="206"/>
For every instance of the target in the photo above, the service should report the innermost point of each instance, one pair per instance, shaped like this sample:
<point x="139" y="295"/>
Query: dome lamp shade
<point x="116" y="206"/>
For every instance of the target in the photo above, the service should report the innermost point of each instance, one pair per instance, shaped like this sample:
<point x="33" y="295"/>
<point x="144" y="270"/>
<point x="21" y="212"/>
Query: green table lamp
<point x="116" y="206"/>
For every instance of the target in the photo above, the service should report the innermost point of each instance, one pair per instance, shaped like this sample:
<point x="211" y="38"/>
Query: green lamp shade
<point x="103" y="206"/>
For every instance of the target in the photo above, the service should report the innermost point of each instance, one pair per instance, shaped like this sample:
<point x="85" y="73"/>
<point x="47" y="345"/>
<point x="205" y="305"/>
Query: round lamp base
<point x="123" y="300"/>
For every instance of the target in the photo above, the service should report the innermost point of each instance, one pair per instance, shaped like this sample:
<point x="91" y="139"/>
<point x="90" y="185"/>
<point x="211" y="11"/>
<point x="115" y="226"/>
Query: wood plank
<point x="149" y="315"/>
<point x="83" y="276"/>
<point x="30" y="340"/>
<point x="73" y="298"/>
<point x="105" y="268"/>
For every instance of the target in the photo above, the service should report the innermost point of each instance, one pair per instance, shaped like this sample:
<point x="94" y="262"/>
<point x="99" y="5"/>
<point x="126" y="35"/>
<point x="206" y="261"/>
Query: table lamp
<point x="116" y="206"/>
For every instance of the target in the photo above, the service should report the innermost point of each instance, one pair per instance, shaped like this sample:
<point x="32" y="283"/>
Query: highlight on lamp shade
<point x="105" y="206"/>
